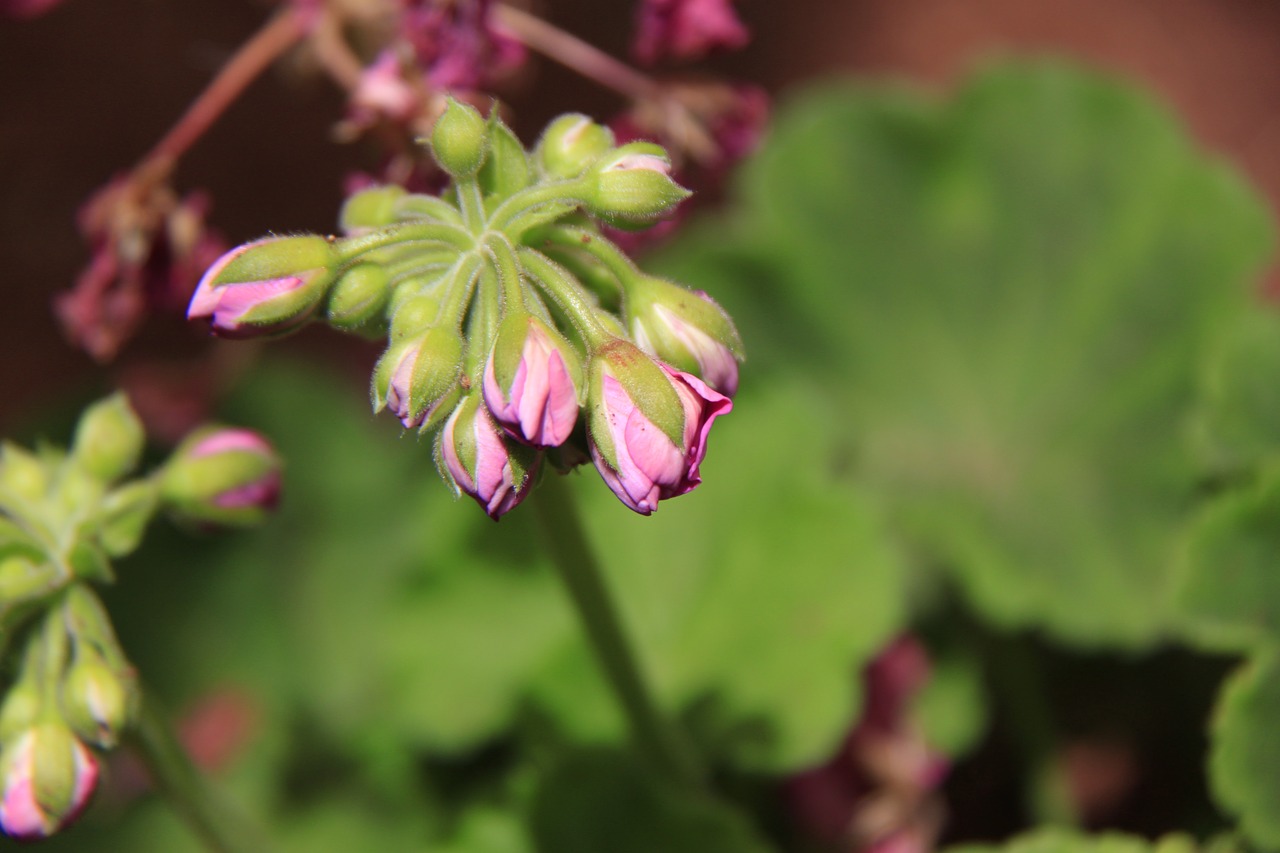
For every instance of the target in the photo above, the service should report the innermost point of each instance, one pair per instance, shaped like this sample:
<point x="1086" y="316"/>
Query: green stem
<point x="207" y="812"/>
<point x="471" y="201"/>
<point x="435" y="232"/>
<point x="566" y="292"/>
<point x="570" y="191"/>
<point x="603" y="250"/>
<point x="566" y="542"/>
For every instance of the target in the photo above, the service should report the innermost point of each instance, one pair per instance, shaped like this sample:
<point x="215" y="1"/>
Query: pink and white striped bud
<point x="648" y="425"/>
<point x="48" y="778"/>
<point x="475" y="455"/>
<point x="417" y="379"/>
<point x="265" y="287"/>
<point x="685" y="329"/>
<point x="531" y="381"/>
<point x="222" y="476"/>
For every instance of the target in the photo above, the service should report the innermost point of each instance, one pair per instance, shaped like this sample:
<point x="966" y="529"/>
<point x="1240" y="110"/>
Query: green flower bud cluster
<point x="496" y="296"/>
<point x="64" y="514"/>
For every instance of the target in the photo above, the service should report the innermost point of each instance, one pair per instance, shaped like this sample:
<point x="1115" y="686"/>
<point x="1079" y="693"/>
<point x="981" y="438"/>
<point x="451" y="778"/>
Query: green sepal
<point x="97" y="702"/>
<point x="413" y="314"/>
<point x="370" y="209"/>
<point x="124" y="516"/>
<point x="109" y="439"/>
<point x="89" y="562"/>
<point x="279" y="257"/>
<point x="358" y="296"/>
<point x="506" y="170"/>
<point x="437" y="368"/>
<point x="54" y="770"/>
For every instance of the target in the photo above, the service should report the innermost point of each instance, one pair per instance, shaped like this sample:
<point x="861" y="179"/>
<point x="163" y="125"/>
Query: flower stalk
<point x="566" y="542"/>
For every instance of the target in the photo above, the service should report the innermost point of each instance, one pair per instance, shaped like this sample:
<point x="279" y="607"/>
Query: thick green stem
<point x="571" y="553"/>
<point x="222" y="826"/>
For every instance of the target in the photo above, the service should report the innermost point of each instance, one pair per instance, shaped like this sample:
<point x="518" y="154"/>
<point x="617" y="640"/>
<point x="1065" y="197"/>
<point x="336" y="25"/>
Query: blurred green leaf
<point x="1244" y="759"/>
<point x="600" y="800"/>
<point x="1230" y="591"/>
<point x="1240" y="424"/>
<point x="763" y="591"/>
<point x="951" y="708"/>
<point x="1010" y="295"/>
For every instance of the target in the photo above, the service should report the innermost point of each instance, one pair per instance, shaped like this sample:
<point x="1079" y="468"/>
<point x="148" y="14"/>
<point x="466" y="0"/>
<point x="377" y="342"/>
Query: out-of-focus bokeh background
<point x="1005" y="443"/>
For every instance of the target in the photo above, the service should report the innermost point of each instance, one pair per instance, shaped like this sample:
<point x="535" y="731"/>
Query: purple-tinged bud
<point x="632" y="186"/>
<point x="48" y="778"/>
<point x="417" y="379"/>
<point x="479" y="460"/>
<point x="109" y="439"/>
<point x="460" y="140"/>
<point x="265" y="287"/>
<point x="531" y="381"/>
<point x="570" y="144"/>
<point x="222" y="476"/>
<point x="686" y="329"/>
<point x="649" y="425"/>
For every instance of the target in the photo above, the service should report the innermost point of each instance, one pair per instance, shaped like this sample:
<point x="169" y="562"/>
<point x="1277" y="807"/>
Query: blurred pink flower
<point x="26" y="8"/>
<point x="685" y="29"/>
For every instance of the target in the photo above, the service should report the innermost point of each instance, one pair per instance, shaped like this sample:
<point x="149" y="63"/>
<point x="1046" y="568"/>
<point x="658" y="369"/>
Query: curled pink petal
<point x="541" y="405"/>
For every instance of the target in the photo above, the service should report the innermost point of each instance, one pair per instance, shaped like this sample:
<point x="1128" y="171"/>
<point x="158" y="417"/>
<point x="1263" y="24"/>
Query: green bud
<point x="570" y="144"/>
<point x="370" y="209"/>
<point x="97" y="703"/>
<point x="632" y="186"/>
<point x="358" y="296"/>
<point x="22" y="472"/>
<point x="506" y="170"/>
<point x="109" y="439"/>
<point x="48" y="777"/>
<point x="125" y="515"/>
<point x="459" y="140"/>
<point x="24" y="578"/>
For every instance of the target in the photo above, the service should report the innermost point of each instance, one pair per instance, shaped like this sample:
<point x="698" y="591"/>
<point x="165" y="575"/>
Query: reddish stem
<point x="279" y="34"/>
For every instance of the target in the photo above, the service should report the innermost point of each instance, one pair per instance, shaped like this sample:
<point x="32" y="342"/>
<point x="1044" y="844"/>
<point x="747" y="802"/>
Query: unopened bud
<point x="48" y="777"/>
<point x="417" y="379"/>
<point x="570" y="144"/>
<point x="413" y="314"/>
<point x="506" y="169"/>
<point x="266" y="287"/>
<point x="531" y="381"/>
<point x="22" y="473"/>
<point x="97" y="703"/>
<point x="459" y="140"/>
<point x="109" y="439"/>
<point x="369" y="209"/>
<point x="686" y="329"/>
<point x="632" y="186"/>
<point x="481" y="462"/>
<point x="358" y="296"/>
<point x="222" y="476"/>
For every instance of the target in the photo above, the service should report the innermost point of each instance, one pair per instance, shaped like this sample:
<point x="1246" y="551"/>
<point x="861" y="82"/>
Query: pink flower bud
<point x="482" y="463"/>
<point x="685" y="329"/>
<point x="529" y="382"/>
<point x="48" y="778"/>
<point x="268" y="286"/>
<point x="222" y="476"/>
<point x="636" y="450"/>
<point x="417" y="379"/>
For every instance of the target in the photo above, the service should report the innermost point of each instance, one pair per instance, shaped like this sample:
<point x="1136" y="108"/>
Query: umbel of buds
<point x="515" y="329"/>
<point x="74" y="692"/>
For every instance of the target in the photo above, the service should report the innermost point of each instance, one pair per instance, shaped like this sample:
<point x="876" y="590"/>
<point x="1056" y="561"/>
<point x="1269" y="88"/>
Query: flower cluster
<point x="63" y="515"/>
<point x="513" y="325"/>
